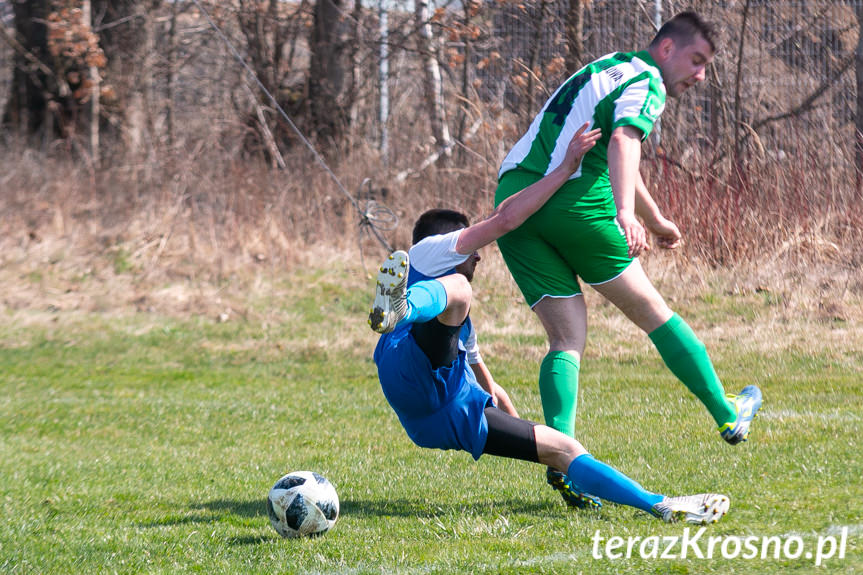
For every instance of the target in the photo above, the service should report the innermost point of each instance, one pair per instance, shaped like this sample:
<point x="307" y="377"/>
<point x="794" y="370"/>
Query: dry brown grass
<point x="210" y="236"/>
<point x="774" y="303"/>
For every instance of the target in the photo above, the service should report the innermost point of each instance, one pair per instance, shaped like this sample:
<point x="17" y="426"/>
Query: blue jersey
<point x="439" y="408"/>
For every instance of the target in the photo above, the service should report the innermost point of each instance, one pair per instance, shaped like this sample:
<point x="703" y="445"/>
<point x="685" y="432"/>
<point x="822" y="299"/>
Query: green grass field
<point x="140" y="443"/>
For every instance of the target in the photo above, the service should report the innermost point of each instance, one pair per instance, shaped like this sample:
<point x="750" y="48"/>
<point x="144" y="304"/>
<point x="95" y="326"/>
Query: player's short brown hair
<point x="684" y="27"/>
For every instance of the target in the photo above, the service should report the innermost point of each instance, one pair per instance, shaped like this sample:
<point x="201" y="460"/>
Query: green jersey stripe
<point x="618" y="89"/>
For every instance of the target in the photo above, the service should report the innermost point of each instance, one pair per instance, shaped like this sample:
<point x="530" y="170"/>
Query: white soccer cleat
<point x="390" y="305"/>
<point x="701" y="509"/>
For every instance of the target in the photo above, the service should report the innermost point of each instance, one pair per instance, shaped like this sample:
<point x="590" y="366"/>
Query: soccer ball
<point x="302" y="503"/>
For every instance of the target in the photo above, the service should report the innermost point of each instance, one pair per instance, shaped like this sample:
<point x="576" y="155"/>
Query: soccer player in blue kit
<point x="428" y="343"/>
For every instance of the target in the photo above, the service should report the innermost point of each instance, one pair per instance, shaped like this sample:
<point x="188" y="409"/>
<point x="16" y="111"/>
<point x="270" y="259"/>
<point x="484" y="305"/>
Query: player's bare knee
<point x="555" y="448"/>
<point x="575" y="449"/>
<point x="648" y="313"/>
<point x="458" y="290"/>
<point x="566" y="338"/>
<point x="458" y="298"/>
<point x="565" y="323"/>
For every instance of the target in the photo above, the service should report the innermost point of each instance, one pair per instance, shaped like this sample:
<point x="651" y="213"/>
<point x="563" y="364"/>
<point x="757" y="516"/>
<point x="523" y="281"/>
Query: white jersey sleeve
<point x="471" y="348"/>
<point x="436" y="255"/>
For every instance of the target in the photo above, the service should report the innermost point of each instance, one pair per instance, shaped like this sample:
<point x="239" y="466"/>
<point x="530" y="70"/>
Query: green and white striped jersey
<point x="618" y="89"/>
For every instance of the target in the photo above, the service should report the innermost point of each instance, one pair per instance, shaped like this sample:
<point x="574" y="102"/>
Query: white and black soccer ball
<point x="302" y="503"/>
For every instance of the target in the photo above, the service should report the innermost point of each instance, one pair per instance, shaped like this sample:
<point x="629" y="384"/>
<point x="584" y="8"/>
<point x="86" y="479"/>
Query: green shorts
<point x="557" y="245"/>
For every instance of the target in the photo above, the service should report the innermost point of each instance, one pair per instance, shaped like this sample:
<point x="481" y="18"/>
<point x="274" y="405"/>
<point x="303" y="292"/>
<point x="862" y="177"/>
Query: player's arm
<point x="645" y="206"/>
<point x="487" y="382"/>
<point x="666" y="232"/>
<point x="514" y="210"/>
<point x="624" y="155"/>
<point x="483" y="375"/>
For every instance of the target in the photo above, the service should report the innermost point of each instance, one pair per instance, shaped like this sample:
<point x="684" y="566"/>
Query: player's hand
<point x="578" y="146"/>
<point x="667" y="235"/>
<point x="636" y="236"/>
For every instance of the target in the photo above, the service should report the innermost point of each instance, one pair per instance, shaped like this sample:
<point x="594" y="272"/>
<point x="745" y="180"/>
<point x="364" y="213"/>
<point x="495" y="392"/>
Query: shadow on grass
<point x="213" y="512"/>
<point x="254" y="508"/>
<point x="253" y="539"/>
<point x="421" y="508"/>
<point x="223" y="510"/>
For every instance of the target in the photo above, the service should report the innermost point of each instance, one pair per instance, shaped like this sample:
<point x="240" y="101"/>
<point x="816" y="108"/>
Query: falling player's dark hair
<point x="684" y="27"/>
<point x="438" y="221"/>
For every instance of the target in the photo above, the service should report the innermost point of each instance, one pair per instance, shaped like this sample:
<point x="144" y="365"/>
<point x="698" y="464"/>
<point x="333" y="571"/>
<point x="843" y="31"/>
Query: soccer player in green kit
<point x="589" y="229"/>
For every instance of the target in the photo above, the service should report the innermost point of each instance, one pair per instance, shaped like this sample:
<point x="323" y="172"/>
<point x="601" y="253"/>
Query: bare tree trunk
<point x="271" y="30"/>
<point x="171" y="73"/>
<point x="139" y="116"/>
<point x="27" y="109"/>
<point x="384" y="80"/>
<point x="575" y="36"/>
<point x="738" y="112"/>
<point x="95" y="88"/>
<point x="465" y="72"/>
<point x="327" y="85"/>
<point x="432" y="78"/>
<point x="128" y="42"/>
<point x="536" y="47"/>
<point x="859" y="118"/>
<point x="276" y="158"/>
<point x="57" y="56"/>
<point x="356" y="65"/>
<point x="656" y="133"/>
<point x="718" y="111"/>
<point x="278" y="41"/>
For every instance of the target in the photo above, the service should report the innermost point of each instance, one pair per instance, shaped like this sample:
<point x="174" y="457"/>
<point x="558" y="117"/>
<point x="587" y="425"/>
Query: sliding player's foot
<point x="390" y="305"/>
<point x="701" y="509"/>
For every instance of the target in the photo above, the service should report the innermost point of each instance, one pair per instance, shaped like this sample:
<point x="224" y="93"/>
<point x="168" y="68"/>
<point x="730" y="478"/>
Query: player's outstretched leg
<point x="390" y="305"/>
<point x="590" y="475"/>
<point x="684" y="354"/>
<point x="604" y="481"/>
<point x="746" y="403"/>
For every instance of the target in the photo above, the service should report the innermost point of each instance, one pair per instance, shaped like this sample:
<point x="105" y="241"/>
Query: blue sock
<point x="426" y="300"/>
<point x="597" y="478"/>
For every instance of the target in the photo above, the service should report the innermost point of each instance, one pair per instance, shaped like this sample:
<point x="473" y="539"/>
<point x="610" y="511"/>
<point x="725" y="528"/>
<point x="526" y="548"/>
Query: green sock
<point x="687" y="358"/>
<point x="558" y="388"/>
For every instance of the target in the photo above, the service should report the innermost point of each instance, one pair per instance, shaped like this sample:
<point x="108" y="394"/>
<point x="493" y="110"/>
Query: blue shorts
<point x="440" y="408"/>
